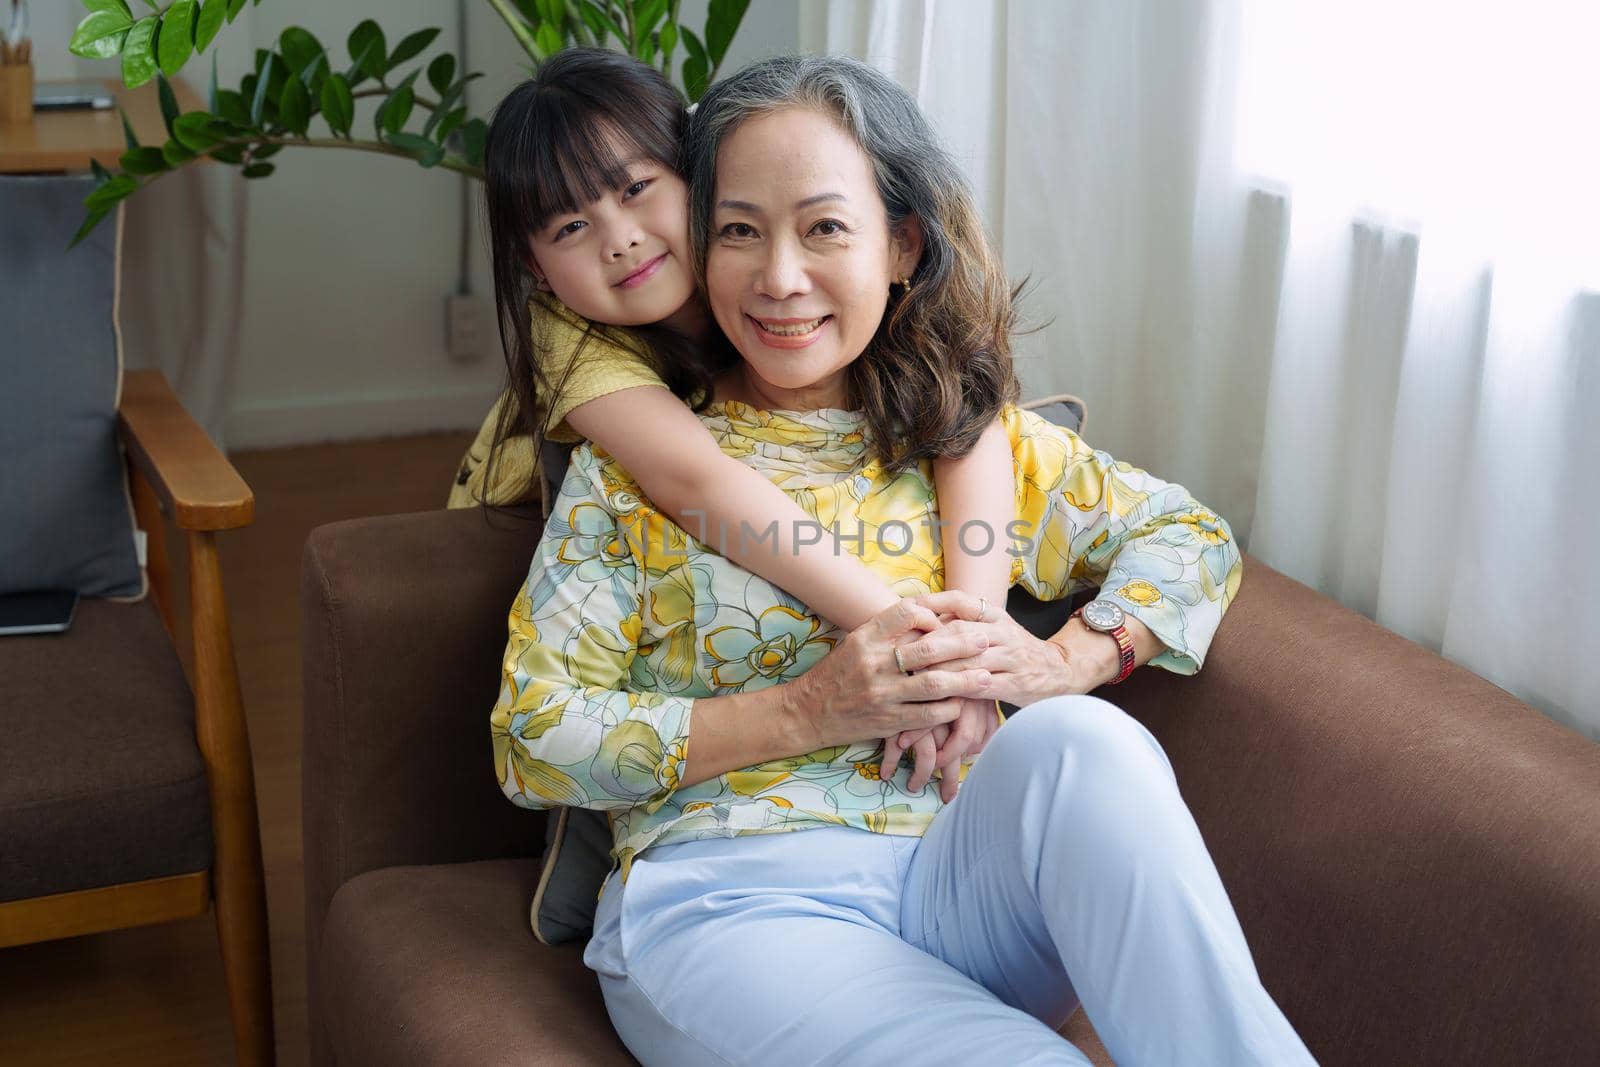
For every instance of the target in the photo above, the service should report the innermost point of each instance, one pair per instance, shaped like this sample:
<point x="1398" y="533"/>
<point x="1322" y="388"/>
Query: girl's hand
<point x="858" y="692"/>
<point x="943" y="748"/>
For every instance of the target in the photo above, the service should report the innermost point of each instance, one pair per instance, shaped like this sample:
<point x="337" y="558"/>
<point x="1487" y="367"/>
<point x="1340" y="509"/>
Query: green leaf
<point x="448" y="126"/>
<point x="211" y="93"/>
<point x="474" y="134"/>
<point x="338" y="104"/>
<point x="548" y="39"/>
<point x="600" y="21"/>
<point x="110" y="5"/>
<point x="395" y="110"/>
<point x="411" y="46"/>
<point x="234" y="7"/>
<point x="143" y="161"/>
<point x="169" y="102"/>
<point x="108" y="194"/>
<point x="233" y="153"/>
<point x="441" y="71"/>
<point x="129" y="138"/>
<point x="294" y="106"/>
<point x="696" y="66"/>
<point x="645" y="16"/>
<point x="176" y="154"/>
<point x="259" y="170"/>
<point x="299" y="50"/>
<point x="101" y="34"/>
<point x="669" y="38"/>
<point x="138" y="53"/>
<point x="427" y="153"/>
<point x="692" y="45"/>
<point x="177" y="36"/>
<point x="101" y="175"/>
<point x="722" y="22"/>
<point x="263" y="80"/>
<point x="195" y="131"/>
<point x="367" y="46"/>
<point x="231" y="106"/>
<point x="446" y="102"/>
<point x="267" y="151"/>
<point x="208" y="23"/>
<point x="315" y="75"/>
<point x="89" y="223"/>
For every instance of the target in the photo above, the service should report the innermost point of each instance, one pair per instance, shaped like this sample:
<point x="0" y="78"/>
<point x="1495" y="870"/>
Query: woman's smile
<point x="789" y="333"/>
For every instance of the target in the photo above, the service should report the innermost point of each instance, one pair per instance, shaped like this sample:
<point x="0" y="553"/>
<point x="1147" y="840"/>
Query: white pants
<point x="1067" y="869"/>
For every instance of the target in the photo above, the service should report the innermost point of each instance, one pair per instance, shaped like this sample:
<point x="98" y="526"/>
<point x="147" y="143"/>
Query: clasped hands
<point x="959" y="655"/>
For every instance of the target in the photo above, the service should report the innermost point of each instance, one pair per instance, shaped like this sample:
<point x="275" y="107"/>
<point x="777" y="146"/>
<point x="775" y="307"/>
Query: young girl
<point x="606" y="338"/>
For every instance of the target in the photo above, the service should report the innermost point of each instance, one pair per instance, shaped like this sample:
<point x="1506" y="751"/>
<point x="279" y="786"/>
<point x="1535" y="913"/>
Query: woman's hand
<point x="858" y="692"/>
<point x="944" y="747"/>
<point x="1022" y="668"/>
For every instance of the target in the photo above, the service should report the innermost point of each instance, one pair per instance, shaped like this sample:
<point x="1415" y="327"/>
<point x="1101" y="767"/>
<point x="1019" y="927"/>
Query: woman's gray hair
<point x="915" y="174"/>
<point x="938" y="371"/>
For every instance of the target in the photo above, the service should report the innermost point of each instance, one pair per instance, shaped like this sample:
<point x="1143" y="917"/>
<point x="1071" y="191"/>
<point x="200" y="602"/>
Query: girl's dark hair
<point x="938" y="370"/>
<point x="557" y="142"/>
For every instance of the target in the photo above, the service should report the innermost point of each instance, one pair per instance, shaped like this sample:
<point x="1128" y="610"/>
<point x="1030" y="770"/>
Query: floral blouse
<point x="625" y="618"/>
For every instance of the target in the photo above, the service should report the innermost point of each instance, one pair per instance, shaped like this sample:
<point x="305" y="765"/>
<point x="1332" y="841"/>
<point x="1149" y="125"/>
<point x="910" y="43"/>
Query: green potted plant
<point x="298" y="85"/>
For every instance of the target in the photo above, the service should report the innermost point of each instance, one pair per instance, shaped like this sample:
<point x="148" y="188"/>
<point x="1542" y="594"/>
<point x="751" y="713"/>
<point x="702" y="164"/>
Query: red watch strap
<point x="1124" y="649"/>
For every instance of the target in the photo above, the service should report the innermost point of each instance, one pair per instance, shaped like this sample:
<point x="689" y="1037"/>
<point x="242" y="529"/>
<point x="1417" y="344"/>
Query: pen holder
<point x="16" y="93"/>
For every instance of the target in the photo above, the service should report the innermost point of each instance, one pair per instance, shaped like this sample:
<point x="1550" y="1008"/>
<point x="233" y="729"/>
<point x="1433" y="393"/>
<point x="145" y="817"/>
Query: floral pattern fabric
<point x="626" y="619"/>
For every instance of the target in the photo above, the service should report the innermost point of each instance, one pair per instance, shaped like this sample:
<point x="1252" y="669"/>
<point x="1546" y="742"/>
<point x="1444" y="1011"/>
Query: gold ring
<point x="898" y="662"/>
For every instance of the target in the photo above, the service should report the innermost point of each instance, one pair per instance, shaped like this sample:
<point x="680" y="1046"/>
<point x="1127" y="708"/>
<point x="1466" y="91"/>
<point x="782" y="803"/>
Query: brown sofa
<point x="1414" y="854"/>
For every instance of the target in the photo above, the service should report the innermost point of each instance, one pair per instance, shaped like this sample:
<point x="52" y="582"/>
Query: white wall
<point x="349" y="256"/>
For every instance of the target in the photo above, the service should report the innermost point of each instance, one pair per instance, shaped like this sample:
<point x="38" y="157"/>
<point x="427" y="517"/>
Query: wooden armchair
<point x="150" y="830"/>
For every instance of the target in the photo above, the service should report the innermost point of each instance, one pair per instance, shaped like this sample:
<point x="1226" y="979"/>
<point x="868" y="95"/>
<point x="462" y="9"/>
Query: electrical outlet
<point x="463" y="330"/>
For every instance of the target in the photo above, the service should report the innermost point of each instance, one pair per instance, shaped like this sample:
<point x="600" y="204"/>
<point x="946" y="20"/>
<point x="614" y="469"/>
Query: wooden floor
<point x="154" y="995"/>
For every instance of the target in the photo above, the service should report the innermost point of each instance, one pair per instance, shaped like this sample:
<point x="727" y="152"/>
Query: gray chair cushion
<point x="578" y="843"/>
<point x="63" y="491"/>
<point x="101" y="780"/>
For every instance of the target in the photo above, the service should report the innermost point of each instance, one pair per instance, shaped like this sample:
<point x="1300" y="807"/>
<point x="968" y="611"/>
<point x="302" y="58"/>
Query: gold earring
<point x="905" y="283"/>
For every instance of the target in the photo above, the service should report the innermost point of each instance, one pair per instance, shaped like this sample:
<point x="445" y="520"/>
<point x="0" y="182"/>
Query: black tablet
<point x="46" y="612"/>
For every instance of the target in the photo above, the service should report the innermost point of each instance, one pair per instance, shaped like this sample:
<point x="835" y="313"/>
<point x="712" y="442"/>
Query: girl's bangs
<point x="570" y="164"/>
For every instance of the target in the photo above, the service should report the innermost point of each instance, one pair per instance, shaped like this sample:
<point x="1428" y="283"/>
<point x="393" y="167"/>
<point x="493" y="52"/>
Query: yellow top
<point x="580" y="365"/>
<point x="625" y="619"/>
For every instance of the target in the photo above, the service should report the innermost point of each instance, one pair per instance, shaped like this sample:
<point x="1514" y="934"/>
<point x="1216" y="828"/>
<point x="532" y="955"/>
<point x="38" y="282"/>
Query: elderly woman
<point x="779" y="898"/>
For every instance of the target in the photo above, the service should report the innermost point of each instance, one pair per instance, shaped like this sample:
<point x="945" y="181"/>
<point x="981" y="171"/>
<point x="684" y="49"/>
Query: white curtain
<point x="1332" y="266"/>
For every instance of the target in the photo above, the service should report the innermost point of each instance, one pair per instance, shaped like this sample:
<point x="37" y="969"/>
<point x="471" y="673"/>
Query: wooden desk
<point x="68" y="140"/>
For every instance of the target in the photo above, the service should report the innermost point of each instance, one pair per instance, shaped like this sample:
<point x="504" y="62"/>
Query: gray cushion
<point x="101" y="780"/>
<point x="67" y="522"/>
<point x="578" y="843"/>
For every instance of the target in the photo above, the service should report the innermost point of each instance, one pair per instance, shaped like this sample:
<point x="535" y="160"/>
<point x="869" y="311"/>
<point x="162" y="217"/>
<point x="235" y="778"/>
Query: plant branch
<point x="420" y="101"/>
<point x="449" y="162"/>
<point x="519" y="29"/>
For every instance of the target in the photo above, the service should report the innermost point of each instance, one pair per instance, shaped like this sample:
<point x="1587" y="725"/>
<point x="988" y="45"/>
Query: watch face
<point x="1102" y="615"/>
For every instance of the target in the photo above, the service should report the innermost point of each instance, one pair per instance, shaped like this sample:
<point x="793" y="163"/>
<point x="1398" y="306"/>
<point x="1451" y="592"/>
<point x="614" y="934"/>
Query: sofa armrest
<point x="403" y="625"/>
<point x="1413" y="853"/>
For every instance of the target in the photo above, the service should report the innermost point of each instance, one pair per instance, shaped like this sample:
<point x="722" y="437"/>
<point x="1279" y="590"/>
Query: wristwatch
<point x="1106" y="616"/>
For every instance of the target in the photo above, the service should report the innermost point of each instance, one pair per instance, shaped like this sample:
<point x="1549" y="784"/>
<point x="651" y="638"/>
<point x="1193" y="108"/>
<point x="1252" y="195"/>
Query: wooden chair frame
<point x="174" y="467"/>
